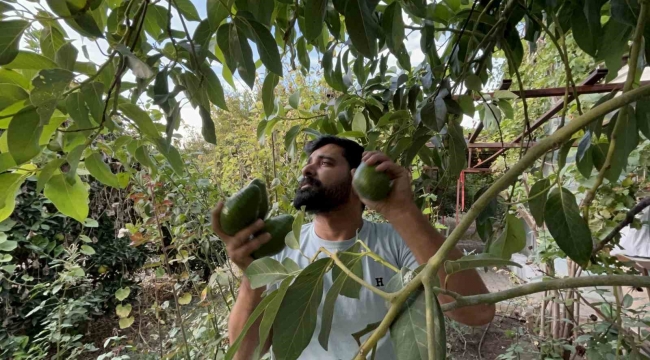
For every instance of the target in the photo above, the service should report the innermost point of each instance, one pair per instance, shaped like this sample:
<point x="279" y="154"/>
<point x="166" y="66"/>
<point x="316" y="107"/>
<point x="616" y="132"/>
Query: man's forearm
<point x="247" y="301"/>
<point x="424" y="241"/>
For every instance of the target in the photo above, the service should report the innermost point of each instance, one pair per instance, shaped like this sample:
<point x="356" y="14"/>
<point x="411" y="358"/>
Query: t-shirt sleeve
<point x="404" y="256"/>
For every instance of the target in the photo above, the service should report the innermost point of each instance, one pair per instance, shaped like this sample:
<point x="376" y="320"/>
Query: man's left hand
<point x="400" y="197"/>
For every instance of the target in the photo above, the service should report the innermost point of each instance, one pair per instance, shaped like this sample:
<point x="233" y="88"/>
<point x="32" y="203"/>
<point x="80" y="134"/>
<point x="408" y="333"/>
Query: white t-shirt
<point x="352" y="315"/>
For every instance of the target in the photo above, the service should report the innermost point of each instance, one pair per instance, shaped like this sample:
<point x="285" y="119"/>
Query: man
<point x="409" y="240"/>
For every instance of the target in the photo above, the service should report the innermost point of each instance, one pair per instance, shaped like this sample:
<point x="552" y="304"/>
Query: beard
<point x="318" y="198"/>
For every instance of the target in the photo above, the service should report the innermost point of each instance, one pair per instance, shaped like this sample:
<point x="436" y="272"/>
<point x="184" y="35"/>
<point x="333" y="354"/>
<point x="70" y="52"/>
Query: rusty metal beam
<point x="592" y="79"/>
<point x="505" y="85"/>
<point x="468" y="170"/>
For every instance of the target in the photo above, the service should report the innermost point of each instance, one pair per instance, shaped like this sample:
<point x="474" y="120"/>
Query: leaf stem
<point x="429" y="302"/>
<point x="353" y="276"/>
<point x="377" y="258"/>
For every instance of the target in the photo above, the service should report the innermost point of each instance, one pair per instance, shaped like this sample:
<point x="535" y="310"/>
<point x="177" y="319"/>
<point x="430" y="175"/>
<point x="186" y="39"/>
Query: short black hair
<point x="352" y="151"/>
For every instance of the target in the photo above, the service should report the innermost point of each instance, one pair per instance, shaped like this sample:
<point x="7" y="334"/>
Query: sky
<point x="190" y="116"/>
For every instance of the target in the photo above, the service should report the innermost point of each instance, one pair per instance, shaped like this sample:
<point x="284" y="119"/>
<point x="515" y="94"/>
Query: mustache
<point x="308" y="180"/>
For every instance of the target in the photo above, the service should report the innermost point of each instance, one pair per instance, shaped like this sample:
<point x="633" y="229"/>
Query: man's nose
<point x="308" y="170"/>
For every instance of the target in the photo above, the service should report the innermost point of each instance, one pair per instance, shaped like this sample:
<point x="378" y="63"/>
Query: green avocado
<point x="264" y="200"/>
<point x="278" y="227"/>
<point x="371" y="184"/>
<point x="240" y="210"/>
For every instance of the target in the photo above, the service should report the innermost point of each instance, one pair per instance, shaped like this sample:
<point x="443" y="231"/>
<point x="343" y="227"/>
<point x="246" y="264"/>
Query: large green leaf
<point x="207" y="126"/>
<point x="567" y="227"/>
<point x="643" y="116"/>
<point x="47" y="172"/>
<point x="537" y="203"/>
<point x="251" y="320"/>
<point x="362" y="27"/>
<point x="66" y="56"/>
<point x="268" y="93"/>
<point x="584" y="160"/>
<point x="11" y="94"/>
<point x="627" y="139"/>
<point x="393" y="26"/>
<point x="78" y="111"/>
<point x="155" y="21"/>
<point x="26" y="60"/>
<point x="296" y="320"/>
<point x="243" y="55"/>
<point x="70" y="200"/>
<point x="23" y="135"/>
<point x="511" y="240"/>
<point x="314" y="18"/>
<point x="612" y="45"/>
<point x="49" y="85"/>
<point x="409" y="330"/>
<point x="51" y="40"/>
<point x="215" y="90"/>
<point x="342" y="285"/>
<point x="218" y="10"/>
<point x="141" y="119"/>
<point x="92" y="94"/>
<point x="265" y="271"/>
<point x="171" y="154"/>
<point x="303" y="54"/>
<point x="224" y="35"/>
<point x="188" y="10"/>
<point x="267" y="48"/>
<point x="585" y="23"/>
<point x="143" y="157"/>
<point x="270" y="314"/>
<point x="101" y="171"/>
<point x="10" y="33"/>
<point x="9" y="184"/>
<point x="476" y="261"/>
<point x="456" y="159"/>
<point x="14" y="78"/>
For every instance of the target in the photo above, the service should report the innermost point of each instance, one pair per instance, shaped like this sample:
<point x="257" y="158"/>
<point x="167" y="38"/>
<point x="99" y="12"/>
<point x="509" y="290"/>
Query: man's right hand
<point x="240" y="246"/>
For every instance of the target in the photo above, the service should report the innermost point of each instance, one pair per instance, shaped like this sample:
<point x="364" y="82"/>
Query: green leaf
<point x="263" y="305"/>
<point x="456" y="159"/>
<point x="87" y="26"/>
<point x="122" y="293"/>
<point x="265" y="271"/>
<point x="267" y="48"/>
<point x="26" y="60"/>
<point x="11" y="31"/>
<point x="70" y="200"/>
<point x="218" y="10"/>
<point x="243" y="55"/>
<point x="537" y="203"/>
<point x="290" y="265"/>
<point x="139" y="68"/>
<point x="171" y="154"/>
<point x="47" y="171"/>
<point x="23" y="135"/>
<point x="563" y="153"/>
<point x="14" y="78"/>
<point x="126" y="322"/>
<point x="342" y="285"/>
<point x="362" y="27"/>
<point x="585" y="24"/>
<point x="473" y="82"/>
<point x="188" y="10"/>
<point x="100" y="170"/>
<point x="9" y="184"/>
<point x="185" y="299"/>
<point x="7" y="245"/>
<point x="271" y="312"/>
<point x="627" y="139"/>
<point x="51" y="40"/>
<point x="78" y="111"/>
<point x="643" y="116"/>
<point x="290" y="139"/>
<point x="584" y="159"/>
<point x="296" y="320"/>
<point x="10" y="94"/>
<point x="268" y="93"/>
<point x="224" y="35"/>
<point x="476" y="261"/>
<point x="511" y="240"/>
<point x="123" y="311"/>
<point x="49" y="85"/>
<point x="294" y="99"/>
<point x="351" y="134"/>
<point x="141" y="119"/>
<point x="303" y="54"/>
<point x="567" y="227"/>
<point x="156" y="20"/>
<point x="92" y="94"/>
<point x="215" y="90"/>
<point x="207" y="129"/>
<point x="66" y="56"/>
<point x="393" y="26"/>
<point x="143" y="157"/>
<point x="408" y="331"/>
<point x="314" y="18"/>
<point x="359" y="122"/>
<point x="613" y="44"/>
<point x="87" y="250"/>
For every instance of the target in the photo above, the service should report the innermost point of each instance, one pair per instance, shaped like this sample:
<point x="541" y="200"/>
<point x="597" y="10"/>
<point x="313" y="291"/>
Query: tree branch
<point x="555" y="284"/>
<point x="629" y="218"/>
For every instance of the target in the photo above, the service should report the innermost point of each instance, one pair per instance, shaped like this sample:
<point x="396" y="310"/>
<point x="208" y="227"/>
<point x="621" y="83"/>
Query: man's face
<point x="326" y="183"/>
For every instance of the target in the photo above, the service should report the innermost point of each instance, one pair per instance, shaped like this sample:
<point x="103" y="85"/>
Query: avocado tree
<point x="62" y="116"/>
